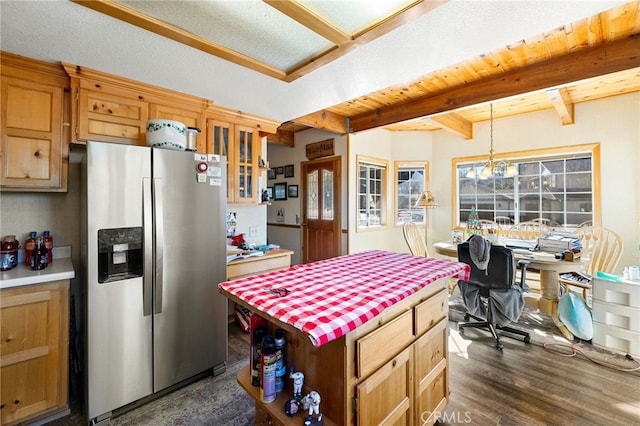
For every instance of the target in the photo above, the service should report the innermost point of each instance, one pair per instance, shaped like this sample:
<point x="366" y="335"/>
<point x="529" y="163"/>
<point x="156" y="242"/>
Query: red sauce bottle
<point x="47" y="240"/>
<point x="29" y="247"/>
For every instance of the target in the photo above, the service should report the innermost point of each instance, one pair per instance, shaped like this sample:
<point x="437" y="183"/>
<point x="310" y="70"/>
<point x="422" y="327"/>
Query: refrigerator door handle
<point x="147" y="222"/>
<point x="159" y="228"/>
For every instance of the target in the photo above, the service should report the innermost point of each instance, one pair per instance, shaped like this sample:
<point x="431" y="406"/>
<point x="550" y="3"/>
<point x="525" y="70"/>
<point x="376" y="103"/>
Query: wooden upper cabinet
<point x="34" y="151"/>
<point x="237" y="136"/>
<point x="106" y="117"/>
<point x="242" y="147"/>
<point x="108" y="108"/>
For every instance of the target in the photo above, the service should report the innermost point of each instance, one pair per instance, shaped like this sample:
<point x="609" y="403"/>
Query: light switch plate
<point x="253" y="231"/>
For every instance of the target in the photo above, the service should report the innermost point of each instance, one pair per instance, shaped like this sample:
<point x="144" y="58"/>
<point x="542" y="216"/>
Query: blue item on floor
<point x="575" y="315"/>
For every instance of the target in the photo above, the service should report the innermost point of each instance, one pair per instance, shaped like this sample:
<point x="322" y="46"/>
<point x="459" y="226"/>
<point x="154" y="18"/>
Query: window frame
<point x="384" y="165"/>
<point x="398" y="165"/>
<point x="565" y="152"/>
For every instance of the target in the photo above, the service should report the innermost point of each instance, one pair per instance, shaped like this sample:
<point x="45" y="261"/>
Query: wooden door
<point x="321" y="209"/>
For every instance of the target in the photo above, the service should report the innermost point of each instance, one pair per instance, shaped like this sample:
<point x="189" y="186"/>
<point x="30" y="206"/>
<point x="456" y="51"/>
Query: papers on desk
<point x="517" y="243"/>
<point x="556" y="241"/>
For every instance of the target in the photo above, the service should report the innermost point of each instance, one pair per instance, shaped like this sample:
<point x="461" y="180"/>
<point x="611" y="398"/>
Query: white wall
<point x="390" y="146"/>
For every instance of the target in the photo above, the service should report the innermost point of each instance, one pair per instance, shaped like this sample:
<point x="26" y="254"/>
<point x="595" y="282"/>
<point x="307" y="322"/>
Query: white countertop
<point x="60" y="269"/>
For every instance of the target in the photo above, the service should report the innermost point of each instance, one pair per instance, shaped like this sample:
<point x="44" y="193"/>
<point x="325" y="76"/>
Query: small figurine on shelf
<point x="265" y="196"/>
<point x="314" y="408"/>
<point x="298" y="380"/>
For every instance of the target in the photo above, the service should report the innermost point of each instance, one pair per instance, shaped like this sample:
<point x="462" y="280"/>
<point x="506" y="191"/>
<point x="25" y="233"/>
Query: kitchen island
<point x="368" y="330"/>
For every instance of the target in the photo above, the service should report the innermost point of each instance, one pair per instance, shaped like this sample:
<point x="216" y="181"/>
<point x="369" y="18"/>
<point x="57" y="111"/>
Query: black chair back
<point x="501" y="270"/>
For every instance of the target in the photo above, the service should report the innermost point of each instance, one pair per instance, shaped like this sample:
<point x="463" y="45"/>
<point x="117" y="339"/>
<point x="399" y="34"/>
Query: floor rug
<point x="211" y="401"/>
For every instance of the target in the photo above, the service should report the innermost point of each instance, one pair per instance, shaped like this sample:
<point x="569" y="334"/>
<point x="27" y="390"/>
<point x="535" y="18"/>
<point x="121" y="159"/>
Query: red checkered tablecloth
<point x="329" y="298"/>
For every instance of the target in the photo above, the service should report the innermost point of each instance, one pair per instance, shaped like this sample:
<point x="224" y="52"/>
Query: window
<point x="372" y="181"/>
<point x="558" y="184"/>
<point x="411" y="179"/>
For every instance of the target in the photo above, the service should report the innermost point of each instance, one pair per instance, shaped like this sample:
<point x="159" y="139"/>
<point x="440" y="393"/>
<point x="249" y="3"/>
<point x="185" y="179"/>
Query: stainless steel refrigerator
<point x="154" y="227"/>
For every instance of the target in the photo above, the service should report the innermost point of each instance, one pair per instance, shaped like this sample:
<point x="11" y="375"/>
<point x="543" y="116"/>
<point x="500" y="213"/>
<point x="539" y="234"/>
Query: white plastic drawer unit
<point x="616" y="339"/>
<point x="625" y="293"/>
<point x="625" y="317"/>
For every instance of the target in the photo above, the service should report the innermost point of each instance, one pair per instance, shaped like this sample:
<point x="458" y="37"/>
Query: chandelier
<point x="492" y="167"/>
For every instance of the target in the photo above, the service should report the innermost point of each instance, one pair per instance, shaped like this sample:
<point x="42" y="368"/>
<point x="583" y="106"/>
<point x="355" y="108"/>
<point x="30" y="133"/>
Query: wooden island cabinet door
<point x="386" y="396"/>
<point x="34" y="350"/>
<point x="32" y="142"/>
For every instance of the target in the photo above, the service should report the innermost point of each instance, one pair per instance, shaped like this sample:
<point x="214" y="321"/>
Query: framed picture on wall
<point x="270" y="192"/>
<point x="280" y="191"/>
<point x="288" y="171"/>
<point x="271" y="174"/>
<point x="292" y="191"/>
<point x="279" y="170"/>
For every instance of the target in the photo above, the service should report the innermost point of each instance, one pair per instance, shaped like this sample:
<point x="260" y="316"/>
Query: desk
<point x="359" y="326"/>
<point x="549" y="268"/>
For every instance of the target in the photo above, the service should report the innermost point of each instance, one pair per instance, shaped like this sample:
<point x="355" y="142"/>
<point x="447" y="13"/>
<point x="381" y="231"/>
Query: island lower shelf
<point x="274" y="411"/>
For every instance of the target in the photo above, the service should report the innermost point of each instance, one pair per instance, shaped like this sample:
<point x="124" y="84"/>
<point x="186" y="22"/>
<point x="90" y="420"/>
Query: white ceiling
<point x="64" y="31"/>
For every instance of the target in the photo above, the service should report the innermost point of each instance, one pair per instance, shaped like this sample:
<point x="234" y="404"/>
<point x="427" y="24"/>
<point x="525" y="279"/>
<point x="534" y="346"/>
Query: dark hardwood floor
<point x="528" y="385"/>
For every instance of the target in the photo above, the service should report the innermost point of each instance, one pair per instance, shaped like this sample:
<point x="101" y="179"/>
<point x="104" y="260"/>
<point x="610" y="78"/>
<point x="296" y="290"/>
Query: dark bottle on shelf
<point x="39" y="256"/>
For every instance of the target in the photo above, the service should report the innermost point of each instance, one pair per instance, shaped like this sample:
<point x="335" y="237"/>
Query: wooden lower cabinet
<point x="34" y="351"/>
<point x="392" y="370"/>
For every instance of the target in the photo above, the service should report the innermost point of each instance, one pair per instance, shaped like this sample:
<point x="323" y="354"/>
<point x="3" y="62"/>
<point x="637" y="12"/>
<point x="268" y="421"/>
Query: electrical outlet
<point x="253" y="231"/>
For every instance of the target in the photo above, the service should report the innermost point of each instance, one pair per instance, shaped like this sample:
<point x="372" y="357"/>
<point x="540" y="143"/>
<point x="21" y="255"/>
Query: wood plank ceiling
<point x="594" y="58"/>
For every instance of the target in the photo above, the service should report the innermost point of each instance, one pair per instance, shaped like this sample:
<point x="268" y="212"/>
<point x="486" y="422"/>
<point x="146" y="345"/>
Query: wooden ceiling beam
<point x="282" y="137"/>
<point x="454" y="123"/>
<point x="326" y="120"/>
<point x="311" y="20"/>
<point x="586" y="63"/>
<point x="562" y="103"/>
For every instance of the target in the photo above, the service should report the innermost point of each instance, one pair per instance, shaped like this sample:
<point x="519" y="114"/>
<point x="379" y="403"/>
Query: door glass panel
<point x="327" y="192"/>
<point x="312" y="195"/>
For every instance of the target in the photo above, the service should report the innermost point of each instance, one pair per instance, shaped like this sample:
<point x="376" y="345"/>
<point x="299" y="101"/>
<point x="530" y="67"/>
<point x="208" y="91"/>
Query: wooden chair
<point x="491" y="225"/>
<point x="415" y="239"/>
<point x="529" y="230"/>
<point x="602" y="248"/>
<point x="504" y="221"/>
<point x="542" y="220"/>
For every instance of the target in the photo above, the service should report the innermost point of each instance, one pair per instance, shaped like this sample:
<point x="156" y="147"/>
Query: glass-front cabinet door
<point x="247" y="165"/>
<point x="241" y="145"/>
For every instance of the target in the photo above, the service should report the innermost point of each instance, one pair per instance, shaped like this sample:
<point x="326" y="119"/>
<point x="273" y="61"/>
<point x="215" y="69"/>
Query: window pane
<point x="559" y="189"/>
<point x="409" y="187"/>
<point x="370" y="201"/>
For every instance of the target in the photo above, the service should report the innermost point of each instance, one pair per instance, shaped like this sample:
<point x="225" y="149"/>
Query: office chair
<point x="496" y="285"/>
